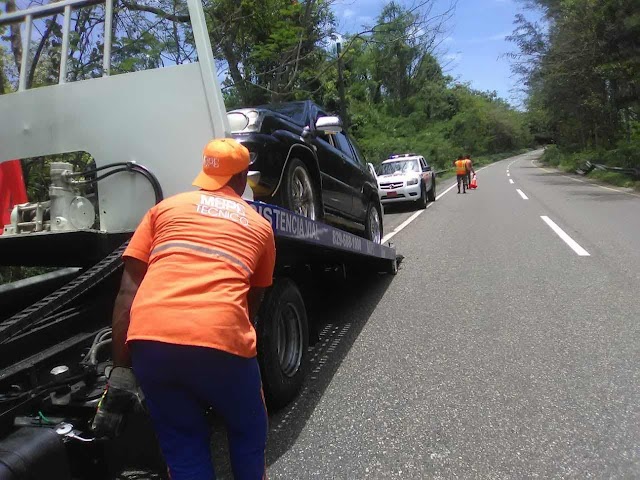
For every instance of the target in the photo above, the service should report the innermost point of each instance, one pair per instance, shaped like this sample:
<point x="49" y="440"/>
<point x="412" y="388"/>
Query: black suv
<point x="302" y="160"/>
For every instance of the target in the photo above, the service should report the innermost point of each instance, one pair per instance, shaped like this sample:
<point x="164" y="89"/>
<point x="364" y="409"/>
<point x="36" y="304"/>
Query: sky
<point x="472" y="49"/>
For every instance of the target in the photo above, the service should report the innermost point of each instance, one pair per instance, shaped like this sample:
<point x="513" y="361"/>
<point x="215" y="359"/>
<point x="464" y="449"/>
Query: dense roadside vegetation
<point x="581" y="68"/>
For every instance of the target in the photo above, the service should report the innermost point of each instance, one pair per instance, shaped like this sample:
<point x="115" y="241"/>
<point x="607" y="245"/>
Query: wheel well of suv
<point x="303" y="153"/>
<point x="372" y="194"/>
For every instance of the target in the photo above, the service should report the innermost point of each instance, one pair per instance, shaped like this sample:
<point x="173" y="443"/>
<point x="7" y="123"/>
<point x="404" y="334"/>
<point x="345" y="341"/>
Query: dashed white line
<point x="524" y="197"/>
<point x="507" y="170"/>
<point x="508" y="174"/>
<point x="511" y="181"/>
<point x="567" y="239"/>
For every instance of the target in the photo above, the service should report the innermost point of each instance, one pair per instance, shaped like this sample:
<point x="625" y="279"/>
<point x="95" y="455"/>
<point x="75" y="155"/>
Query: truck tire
<point x="422" y="201"/>
<point x="298" y="192"/>
<point x="283" y="341"/>
<point x="431" y="195"/>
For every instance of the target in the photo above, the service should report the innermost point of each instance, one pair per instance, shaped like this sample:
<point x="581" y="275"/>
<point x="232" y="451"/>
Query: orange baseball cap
<point x="222" y="158"/>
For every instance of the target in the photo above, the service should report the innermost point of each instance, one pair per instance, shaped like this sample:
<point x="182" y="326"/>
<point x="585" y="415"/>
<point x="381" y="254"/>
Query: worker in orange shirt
<point x="461" y="173"/>
<point x="195" y="272"/>
<point x="470" y="170"/>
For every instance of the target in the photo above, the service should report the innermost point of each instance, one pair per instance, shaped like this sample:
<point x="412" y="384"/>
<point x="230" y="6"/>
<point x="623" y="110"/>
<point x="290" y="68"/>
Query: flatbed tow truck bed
<point x="49" y="387"/>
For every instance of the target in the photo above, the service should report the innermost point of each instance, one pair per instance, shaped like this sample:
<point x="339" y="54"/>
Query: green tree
<point x="583" y="72"/>
<point x="269" y="47"/>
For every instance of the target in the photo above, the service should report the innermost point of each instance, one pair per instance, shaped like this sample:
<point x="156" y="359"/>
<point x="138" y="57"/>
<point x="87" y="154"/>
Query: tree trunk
<point x="14" y="34"/>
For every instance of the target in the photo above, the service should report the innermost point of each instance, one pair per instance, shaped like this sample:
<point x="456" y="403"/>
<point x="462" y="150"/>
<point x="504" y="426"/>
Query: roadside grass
<point x="613" y="178"/>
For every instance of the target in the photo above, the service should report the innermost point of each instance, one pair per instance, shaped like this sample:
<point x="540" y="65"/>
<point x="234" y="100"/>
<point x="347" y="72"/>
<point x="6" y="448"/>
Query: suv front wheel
<point x="299" y="193"/>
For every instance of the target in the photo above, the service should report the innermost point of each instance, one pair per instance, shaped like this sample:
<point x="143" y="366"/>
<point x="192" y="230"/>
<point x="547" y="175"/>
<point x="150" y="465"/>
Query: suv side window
<point x="342" y="143"/>
<point x="360" y="158"/>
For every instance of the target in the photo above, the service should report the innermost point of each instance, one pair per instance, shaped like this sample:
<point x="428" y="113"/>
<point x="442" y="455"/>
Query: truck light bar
<point x="403" y="155"/>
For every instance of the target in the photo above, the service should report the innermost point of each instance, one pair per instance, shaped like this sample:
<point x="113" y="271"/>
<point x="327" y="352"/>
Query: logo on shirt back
<point x="220" y="207"/>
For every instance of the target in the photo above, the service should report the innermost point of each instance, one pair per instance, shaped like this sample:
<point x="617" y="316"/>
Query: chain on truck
<point x="145" y="144"/>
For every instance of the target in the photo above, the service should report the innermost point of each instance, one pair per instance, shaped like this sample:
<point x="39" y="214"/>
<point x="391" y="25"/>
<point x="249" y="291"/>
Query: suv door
<point x="332" y="170"/>
<point x="353" y="176"/>
<point x="359" y="177"/>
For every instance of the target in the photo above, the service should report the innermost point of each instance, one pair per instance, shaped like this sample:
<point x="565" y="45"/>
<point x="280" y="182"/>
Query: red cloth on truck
<point x="12" y="189"/>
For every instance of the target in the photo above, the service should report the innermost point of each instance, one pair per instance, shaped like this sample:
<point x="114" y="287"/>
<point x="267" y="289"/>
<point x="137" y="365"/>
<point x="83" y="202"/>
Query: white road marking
<point x="404" y="224"/>
<point x="511" y="181"/>
<point x="507" y="170"/>
<point x="524" y="197"/>
<point x="508" y="174"/>
<point x="400" y="227"/>
<point x="442" y="194"/>
<point x="567" y="239"/>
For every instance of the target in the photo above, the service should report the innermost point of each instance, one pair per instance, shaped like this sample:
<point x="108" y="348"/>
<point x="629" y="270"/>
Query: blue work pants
<point x="179" y="383"/>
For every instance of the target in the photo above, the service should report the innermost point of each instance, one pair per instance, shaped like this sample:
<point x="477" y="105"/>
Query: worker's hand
<point x="120" y="397"/>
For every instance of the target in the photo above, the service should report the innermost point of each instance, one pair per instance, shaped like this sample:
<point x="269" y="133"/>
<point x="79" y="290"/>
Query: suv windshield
<point x="402" y="166"/>
<point x="293" y="110"/>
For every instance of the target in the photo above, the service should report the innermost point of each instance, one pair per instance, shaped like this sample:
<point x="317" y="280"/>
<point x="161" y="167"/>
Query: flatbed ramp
<point x="300" y="239"/>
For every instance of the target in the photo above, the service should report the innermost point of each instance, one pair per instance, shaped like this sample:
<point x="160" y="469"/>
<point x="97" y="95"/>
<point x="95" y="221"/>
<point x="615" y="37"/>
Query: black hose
<point x="145" y="172"/>
<point x="97" y="179"/>
<point x="128" y="167"/>
<point x="97" y="169"/>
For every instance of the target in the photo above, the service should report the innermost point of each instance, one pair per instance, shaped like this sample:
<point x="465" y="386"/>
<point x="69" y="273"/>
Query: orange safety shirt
<point x="204" y="251"/>
<point x="461" y="167"/>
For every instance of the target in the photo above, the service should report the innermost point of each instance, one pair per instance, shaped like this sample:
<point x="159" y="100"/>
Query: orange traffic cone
<point x="474" y="182"/>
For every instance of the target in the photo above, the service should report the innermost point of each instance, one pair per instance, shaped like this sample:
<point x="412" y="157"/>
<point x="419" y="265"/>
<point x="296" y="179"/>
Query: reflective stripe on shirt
<point x="199" y="248"/>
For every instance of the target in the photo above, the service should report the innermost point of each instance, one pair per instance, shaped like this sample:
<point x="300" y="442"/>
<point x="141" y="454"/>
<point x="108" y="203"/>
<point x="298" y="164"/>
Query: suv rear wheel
<point x="373" y="225"/>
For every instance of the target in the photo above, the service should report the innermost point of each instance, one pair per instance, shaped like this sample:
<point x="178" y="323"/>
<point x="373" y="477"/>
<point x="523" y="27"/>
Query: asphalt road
<point x="498" y="351"/>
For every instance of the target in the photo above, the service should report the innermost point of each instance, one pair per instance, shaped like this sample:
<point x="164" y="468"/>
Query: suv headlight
<point x="245" y="120"/>
<point x="412" y="181"/>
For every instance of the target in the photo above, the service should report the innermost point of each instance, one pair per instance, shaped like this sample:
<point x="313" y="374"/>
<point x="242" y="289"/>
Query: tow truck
<point x="144" y="131"/>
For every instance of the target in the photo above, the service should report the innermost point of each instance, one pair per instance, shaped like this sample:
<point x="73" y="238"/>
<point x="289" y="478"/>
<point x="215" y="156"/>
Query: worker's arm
<point x="134" y="272"/>
<point x="254" y="299"/>
<point x="262" y="276"/>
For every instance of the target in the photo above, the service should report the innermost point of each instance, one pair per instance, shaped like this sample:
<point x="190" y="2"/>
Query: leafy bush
<point x="552" y="155"/>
